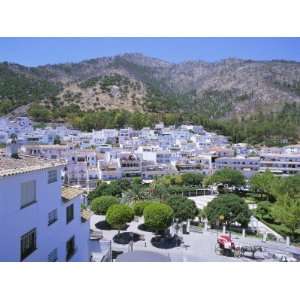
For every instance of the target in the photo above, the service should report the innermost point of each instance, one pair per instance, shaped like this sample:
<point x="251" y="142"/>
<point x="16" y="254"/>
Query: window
<point x="70" y="213"/>
<point x="52" y="176"/>
<point x="52" y="257"/>
<point x="52" y="217"/>
<point x="28" y="243"/>
<point x="70" y="248"/>
<point x="28" y="193"/>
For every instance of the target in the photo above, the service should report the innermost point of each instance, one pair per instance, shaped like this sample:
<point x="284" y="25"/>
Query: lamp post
<point x="221" y="218"/>
<point x="131" y="241"/>
<point x="230" y="214"/>
<point x="176" y="226"/>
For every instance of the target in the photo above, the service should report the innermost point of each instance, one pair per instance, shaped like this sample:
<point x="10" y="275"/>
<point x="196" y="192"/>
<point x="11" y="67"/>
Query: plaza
<point x="196" y="247"/>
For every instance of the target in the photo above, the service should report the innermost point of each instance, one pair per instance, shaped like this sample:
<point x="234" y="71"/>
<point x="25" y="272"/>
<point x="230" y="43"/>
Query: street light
<point x="131" y="241"/>
<point x="220" y="222"/>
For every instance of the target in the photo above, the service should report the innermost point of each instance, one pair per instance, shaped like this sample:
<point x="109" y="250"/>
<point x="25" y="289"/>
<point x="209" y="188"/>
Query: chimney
<point x="12" y="147"/>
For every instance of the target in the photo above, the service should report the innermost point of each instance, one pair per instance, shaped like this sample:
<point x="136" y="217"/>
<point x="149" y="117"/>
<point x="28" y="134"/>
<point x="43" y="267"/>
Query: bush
<point x="138" y="207"/>
<point x="100" y="205"/>
<point x="118" y="215"/>
<point x="158" y="216"/>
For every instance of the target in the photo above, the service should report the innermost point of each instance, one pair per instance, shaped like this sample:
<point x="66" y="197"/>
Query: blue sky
<point x="39" y="51"/>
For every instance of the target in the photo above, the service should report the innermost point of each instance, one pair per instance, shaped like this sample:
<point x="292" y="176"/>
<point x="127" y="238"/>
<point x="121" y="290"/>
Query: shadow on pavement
<point x="103" y="225"/>
<point x="165" y="242"/>
<point x="125" y="237"/>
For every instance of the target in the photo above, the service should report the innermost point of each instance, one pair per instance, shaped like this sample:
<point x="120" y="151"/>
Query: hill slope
<point x="134" y="82"/>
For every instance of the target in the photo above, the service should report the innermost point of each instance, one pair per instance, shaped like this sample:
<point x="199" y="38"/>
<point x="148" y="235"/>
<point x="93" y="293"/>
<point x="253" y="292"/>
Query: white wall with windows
<point x="33" y="219"/>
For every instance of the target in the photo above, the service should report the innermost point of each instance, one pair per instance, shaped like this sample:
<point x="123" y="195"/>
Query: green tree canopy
<point x="101" y="204"/>
<point x="115" y="188"/>
<point x="287" y="211"/>
<point x="192" y="179"/>
<point x="264" y="183"/>
<point x="227" y="209"/>
<point x="169" y="180"/>
<point x="226" y="176"/>
<point x="264" y="211"/>
<point x="138" y="207"/>
<point x="183" y="208"/>
<point x="289" y="186"/>
<point x="158" y="216"/>
<point x="118" y="215"/>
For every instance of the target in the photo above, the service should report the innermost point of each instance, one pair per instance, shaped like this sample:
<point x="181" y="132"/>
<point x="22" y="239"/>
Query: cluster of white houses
<point x="41" y="182"/>
<point x="110" y="154"/>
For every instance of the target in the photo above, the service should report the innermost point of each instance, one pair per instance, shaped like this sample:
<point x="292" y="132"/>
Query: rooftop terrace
<point x="24" y="163"/>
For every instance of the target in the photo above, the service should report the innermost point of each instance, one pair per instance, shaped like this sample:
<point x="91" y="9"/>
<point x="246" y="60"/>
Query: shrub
<point x="158" y="216"/>
<point x="138" y="207"/>
<point x="118" y="215"/>
<point x="100" y="205"/>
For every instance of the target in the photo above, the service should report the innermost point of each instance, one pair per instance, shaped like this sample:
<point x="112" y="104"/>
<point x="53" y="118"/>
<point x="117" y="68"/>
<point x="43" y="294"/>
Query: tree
<point x="192" y="179"/>
<point x="227" y="209"/>
<point x="158" y="190"/>
<point x="264" y="211"/>
<point x="183" y="208"/>
<point x="287" y="211"/>
<point x="289" y="186"/>
<point x="118" y="215"/>
<point x="226" y="176"/>
<point x="138" y="207"/>
<point x="115" y="188"/>
<point x="264" y="183"/>
<point x="158" y="216"/>
<point x="100" y="205"/>
<point x="287" y="207"/>
<point x="39" y="113"/>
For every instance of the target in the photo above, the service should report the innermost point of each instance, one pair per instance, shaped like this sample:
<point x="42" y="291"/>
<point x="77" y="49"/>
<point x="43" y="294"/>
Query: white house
<point x="247" y="165"/>
<point x="281" y="164"/>
<point x="130" y="164"/>
<point x="39" y="219"/>
<point x="155" y="154"/>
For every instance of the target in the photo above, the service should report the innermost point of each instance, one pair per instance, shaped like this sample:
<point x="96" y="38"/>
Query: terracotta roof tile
<point x="69" y="193"/>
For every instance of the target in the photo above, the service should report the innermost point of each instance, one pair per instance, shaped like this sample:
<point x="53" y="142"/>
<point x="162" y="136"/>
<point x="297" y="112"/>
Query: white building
<point x="197" y="164"/>
<point x="110" y="170"/>
<point x="155" y="154"/>
<point x="151" y="171"/>
<point x="39" y="220"/>
<point x="130" y="164"/>
<point x="246" y="165"/>
<point x="48" y="151"/>
<point x="281" y="164"/>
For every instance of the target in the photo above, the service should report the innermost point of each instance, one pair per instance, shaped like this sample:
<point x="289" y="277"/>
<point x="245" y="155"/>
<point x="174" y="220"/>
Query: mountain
<point x="134" y="82"/>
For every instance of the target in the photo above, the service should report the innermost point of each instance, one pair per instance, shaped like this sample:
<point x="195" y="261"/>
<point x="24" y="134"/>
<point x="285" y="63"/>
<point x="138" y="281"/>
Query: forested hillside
<point x="255" y="101"/>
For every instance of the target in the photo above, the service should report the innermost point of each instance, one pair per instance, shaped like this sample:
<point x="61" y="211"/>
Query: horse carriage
<point x="226" y="246"/>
